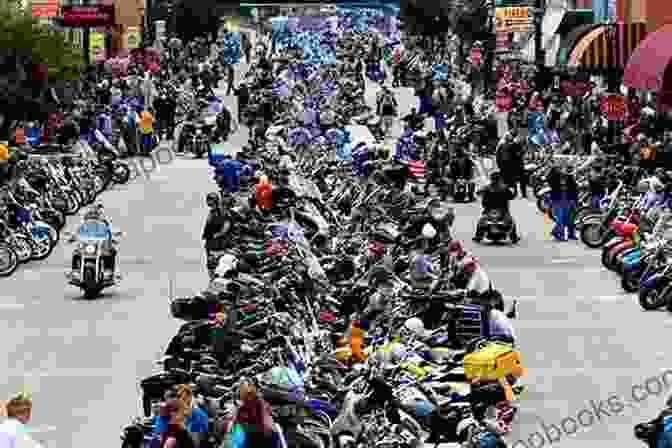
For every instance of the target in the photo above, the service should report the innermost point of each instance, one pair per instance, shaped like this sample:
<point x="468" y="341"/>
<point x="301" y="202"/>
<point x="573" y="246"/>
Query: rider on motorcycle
<point x="462" y="167"/>
<point x="496" y="197"/>
<point x="97" y="214"/>
<point x="439" y="216"/>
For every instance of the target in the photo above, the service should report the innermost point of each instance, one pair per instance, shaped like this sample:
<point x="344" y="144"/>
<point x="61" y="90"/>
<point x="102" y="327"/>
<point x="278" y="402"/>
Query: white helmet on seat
<point x="413" y="327"/>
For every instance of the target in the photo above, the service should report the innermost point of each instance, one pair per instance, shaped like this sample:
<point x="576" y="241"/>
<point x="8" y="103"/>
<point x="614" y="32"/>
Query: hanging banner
<point x="576" y="88"/>
<point x="476" y="56"/>
<point x="614" y="107"/>
<point x="503" y="102"/>
<point x="97" y="46"/>
<point x="133" y="37"/>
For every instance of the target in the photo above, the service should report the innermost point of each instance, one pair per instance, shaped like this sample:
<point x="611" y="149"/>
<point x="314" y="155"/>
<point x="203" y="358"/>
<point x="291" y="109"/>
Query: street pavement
<point x="581" y="338"/>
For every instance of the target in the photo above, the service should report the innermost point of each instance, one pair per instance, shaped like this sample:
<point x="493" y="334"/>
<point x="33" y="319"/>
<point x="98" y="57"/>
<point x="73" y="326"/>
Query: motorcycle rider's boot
<point x="571" y="232"/>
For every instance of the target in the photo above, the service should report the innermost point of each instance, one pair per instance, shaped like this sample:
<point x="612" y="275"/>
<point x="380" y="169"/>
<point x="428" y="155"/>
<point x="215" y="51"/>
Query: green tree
<point x="22" y="37"/>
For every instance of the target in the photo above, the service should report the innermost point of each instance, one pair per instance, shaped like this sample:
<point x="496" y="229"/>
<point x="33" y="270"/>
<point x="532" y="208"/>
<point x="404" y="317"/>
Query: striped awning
<point x="602" y="49"/>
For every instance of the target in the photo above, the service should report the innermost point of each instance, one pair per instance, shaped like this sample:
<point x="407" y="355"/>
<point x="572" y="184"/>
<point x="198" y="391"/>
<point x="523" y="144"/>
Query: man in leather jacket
<point x="462" y="167"/>
<point x="217" y="226"/>
<point x="496" y="196"/>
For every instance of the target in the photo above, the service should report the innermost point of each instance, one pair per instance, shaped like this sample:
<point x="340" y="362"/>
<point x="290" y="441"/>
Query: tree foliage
<point x="24" y="38"/>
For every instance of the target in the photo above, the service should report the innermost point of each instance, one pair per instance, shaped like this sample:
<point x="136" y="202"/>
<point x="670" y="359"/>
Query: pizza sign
<point x="614" y="107"/>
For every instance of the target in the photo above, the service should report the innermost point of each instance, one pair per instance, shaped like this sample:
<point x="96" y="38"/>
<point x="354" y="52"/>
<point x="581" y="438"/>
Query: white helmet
<point x="428" y="231"/>
<point x="413" y="327"/>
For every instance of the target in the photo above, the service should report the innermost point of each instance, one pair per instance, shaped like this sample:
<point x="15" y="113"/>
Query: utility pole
<point x="539" y="53"/>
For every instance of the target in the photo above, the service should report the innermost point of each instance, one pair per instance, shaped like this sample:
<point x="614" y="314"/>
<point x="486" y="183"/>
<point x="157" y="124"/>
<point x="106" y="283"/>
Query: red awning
<point x="648" y="63"/>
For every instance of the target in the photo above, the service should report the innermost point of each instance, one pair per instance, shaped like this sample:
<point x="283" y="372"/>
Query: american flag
<point x="376" y="248"/>
<point x="416" y="170"/>
<point x="276" y="248"/>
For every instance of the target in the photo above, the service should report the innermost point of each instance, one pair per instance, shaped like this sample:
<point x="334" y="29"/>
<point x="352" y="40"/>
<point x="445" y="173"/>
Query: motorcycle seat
<point x="278" y="395"/>
<point x="248" y="307"/>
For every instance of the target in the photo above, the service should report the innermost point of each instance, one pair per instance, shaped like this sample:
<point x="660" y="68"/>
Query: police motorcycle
<point x="89" y="271"/>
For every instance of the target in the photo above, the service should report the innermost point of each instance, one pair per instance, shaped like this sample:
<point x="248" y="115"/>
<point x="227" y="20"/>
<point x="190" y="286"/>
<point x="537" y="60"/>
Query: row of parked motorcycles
<point x="53" y="183"/>
<point x="634" y="241"/>
<point x="305" y="293"/>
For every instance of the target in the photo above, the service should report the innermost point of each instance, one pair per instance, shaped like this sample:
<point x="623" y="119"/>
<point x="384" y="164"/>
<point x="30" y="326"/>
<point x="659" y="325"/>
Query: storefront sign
<point x="97" y="46"/>
<point x="503" y="102"/>
<point x="513" y="20"/>
<point x="613" y="106"/>
<point x="576" y="88"/>
<point x="90" y="16"/>
<point x="476" y="56"/>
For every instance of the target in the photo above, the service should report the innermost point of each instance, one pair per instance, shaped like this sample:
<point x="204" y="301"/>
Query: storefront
<point x="649" y="67"/>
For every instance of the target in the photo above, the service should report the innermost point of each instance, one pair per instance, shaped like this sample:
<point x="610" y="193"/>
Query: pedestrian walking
<point x="230" y="75"/>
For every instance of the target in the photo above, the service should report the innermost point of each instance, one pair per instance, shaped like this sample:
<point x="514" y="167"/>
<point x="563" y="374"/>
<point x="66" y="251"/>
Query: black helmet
<point x="495" y="176"/>
<point x="212" y="199"/>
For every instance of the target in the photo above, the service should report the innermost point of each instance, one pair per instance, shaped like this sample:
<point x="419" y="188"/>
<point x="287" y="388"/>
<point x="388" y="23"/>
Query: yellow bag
<point x="493" y="363"/>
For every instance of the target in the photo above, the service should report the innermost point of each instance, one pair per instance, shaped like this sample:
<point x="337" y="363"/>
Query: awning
<point x="628" y="37"/>
<point x="591" y="50"/>
<point x="650" y="62"/>
<point x="570" y="40"/>
<point x="599" y="49"/>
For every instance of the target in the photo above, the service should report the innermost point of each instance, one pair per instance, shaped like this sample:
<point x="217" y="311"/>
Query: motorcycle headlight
<point x="90" y="249"/>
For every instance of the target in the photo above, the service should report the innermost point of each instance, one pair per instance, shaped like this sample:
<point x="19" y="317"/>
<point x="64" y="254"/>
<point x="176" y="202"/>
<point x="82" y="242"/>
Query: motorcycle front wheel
<point x="42" y="248"/>
<point x="23" y="248"/>
<point x="651" y="299"/>
<point x="630" y="281"/>
<point x="9" y="261"/>
<point x="121" y="174"/>
<point x="593" y="235"/>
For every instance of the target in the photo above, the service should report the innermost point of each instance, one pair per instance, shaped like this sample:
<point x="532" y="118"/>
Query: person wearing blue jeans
<point x="562" y="203"/>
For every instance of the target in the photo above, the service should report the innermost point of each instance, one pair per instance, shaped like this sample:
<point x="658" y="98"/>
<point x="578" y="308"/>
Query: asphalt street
<point x="581" y="338"/>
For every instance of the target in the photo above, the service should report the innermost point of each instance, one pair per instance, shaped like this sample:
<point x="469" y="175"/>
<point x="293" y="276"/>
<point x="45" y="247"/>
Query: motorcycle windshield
<point x="94" y="231"/>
